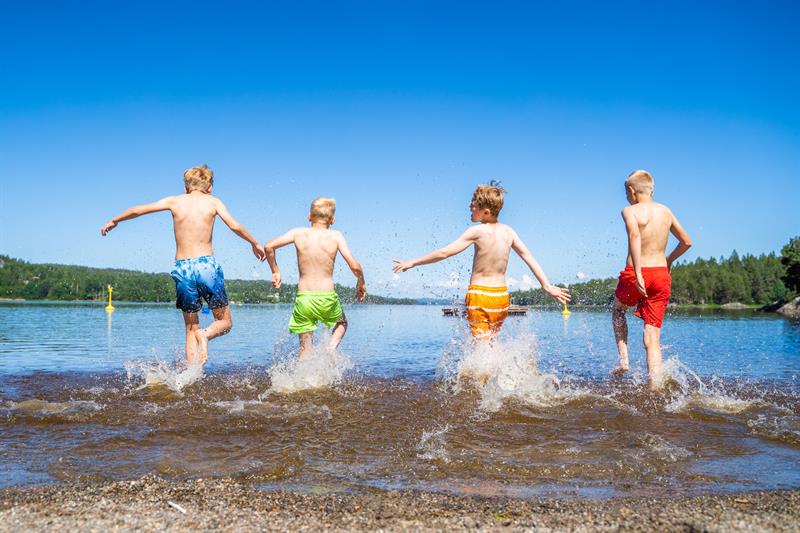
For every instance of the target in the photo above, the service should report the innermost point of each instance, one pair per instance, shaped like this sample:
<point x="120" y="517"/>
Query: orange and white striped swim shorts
<point x="487" y="308"/>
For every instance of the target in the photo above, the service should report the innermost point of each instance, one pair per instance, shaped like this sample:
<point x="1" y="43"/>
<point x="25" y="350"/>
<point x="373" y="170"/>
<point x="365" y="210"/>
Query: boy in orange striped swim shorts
<point x="487" y="297"/>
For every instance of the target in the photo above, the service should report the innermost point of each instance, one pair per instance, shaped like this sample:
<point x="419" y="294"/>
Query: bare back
<point x="316" y="255"/>
<point x="193" y="217"/>
<point x="655" y="222"/>
<point x="492" y="247"/>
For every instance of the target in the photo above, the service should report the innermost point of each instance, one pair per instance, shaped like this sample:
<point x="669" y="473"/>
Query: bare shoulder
<point x="509" y="230"/>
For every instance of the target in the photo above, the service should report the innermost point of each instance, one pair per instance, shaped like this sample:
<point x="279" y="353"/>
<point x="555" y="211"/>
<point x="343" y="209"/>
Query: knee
<point x="651" y="340"/>
<point x="227" y="325"/>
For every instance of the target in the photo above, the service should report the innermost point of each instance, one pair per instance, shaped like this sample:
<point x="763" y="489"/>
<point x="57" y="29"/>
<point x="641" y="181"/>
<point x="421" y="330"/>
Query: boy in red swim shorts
<point x="645" y="282"/>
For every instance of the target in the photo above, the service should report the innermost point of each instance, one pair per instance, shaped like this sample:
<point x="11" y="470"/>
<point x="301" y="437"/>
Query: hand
<point x="259" y="252"/>
<point x="108" y="227"/>
<point x="276" y="280"/>
<point x="559" y="293"/>
<point x="402" y="266"/>
<point x="361" y="292"/>
<point x="640" y="284"/>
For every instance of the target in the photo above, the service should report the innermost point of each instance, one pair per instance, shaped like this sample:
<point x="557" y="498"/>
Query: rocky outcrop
<point x="792" y="309"/>
<point x="733" y="306"/>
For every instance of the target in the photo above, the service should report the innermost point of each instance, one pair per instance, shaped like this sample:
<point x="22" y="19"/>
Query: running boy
<point x="487" y="296"/>
<point x="316" y="301"/>
<point x="197" y="274"/>
<point x="645" y="282"/>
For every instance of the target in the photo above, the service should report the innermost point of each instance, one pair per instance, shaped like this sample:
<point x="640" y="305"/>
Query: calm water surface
<point x="84" y="395"/>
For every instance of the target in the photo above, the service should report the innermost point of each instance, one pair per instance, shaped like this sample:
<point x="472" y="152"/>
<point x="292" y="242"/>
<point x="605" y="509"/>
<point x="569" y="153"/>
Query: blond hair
<point x="489" y="197"/>
<point x="641" y="181"/>
<point x="323" y="208"/>
<point x="198" y="178"/>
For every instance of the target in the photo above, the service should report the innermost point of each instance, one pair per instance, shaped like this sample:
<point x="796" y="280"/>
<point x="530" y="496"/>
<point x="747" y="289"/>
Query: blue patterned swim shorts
<point x="196" y="278"/>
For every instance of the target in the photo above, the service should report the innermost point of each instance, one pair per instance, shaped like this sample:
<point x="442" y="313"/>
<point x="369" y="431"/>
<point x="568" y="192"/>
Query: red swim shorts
<point x="650" y="308"/>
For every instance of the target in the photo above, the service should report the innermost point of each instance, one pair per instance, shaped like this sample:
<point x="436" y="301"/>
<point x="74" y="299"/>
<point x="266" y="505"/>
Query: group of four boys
<point x="644" y="283"/>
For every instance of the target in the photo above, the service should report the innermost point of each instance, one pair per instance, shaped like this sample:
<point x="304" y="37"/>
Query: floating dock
<point x="460" y="311"/>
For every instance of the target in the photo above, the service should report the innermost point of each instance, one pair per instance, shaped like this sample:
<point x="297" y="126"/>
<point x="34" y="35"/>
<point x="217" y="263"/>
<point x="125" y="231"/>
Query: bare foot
<point x="620" y="371"/>
<point x="201" y="355"/>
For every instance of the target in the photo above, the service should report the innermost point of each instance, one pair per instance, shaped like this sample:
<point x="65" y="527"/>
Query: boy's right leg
<point x="339" y="329"/>
<point x="652" y="342"/>
<point x="620" y="325"/>
<point x="305" y="345"/>
<point x="222" y="324"/>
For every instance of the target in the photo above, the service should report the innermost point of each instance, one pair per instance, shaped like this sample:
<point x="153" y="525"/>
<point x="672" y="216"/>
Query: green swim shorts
<point x="311" y="307"/>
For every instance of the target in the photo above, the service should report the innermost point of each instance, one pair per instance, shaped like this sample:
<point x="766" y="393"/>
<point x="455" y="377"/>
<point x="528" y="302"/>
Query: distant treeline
<point x="749" y="280"/>
<point x="20" y="279"/>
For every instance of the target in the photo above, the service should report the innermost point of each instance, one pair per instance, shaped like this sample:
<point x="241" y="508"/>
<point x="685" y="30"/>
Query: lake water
<point x="89" y="396"/>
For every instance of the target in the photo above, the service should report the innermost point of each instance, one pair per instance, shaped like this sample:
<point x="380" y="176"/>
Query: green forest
<point x="29" y="281"/>
<point x="751" y="280"/>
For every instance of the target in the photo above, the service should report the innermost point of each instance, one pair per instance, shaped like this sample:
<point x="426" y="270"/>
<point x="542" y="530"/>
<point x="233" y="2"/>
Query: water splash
<point x="323" y="369"/>
<point x="432" y="446"/>
<point x="502" y="370"/>
<point x="43" y="408"/>
<point x="689" y="391"/>
<point x="160" y="374"/>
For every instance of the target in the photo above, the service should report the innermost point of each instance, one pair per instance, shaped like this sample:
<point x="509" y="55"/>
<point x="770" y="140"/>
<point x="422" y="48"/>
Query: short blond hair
<point x="641" y="181"/>
<point x="323" y="208"/>
<point x="489" y="197"/>
<point x="198" y="178"/>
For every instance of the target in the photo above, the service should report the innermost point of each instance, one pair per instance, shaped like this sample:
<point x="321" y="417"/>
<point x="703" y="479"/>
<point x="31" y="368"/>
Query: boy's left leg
<point x="192" y="323"/>
<point x="620" y="325"/>
<point x="305" y="345"/>
<point x="222" y="324"/>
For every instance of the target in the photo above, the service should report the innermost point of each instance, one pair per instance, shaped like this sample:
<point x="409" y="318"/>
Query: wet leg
<point x="620" y="325"/>
<point x="222" y="324"/>
<point x="339" y="329"/>
<point x="305" y="345"/>
<point x="652" y="342"/>
<point x="192" y="323"/>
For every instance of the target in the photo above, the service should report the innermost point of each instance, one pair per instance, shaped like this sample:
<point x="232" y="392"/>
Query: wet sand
<point x="154" y="504"/>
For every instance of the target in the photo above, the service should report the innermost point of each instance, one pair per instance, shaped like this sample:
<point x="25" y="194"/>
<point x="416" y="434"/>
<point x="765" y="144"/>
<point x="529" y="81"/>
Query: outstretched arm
<point x="559" y="293"/>
<point x="684" y="241"/>
<point x="239" y="230"/>
<point x="136" y="211"/>
<point x="634" y="246"/>
<point x="456" y="247"/>
<point x="269" y="250"/>
<point x="355" y="266"/>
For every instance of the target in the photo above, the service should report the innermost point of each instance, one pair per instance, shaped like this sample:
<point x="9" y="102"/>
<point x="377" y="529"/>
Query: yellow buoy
<point x="109" y="307"/>
<point x="566" y="312"/>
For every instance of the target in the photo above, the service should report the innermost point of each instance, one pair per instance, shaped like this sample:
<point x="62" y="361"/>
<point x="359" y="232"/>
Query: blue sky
<point x="398" y="109"/>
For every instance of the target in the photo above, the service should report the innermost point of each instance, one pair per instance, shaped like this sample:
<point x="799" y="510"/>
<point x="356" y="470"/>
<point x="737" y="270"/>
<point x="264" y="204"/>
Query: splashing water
<point x="432" y="446"/>
<point x="503" y="370"/>
<point x="160" y="374"/>
<point x="689" y="391"/>
<point x="323" y="369"/>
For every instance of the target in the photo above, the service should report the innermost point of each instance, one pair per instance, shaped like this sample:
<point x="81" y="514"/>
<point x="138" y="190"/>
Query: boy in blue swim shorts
<point x="197" y="274"/>
<point x="316" y="300"/>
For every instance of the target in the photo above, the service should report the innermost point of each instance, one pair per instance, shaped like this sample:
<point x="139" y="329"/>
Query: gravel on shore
<point x="155" y="504"/>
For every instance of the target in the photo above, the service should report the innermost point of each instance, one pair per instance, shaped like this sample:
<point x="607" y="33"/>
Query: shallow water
<point x="86" y="397"/>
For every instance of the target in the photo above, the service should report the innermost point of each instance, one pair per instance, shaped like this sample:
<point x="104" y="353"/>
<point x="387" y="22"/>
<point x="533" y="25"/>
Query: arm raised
<point x="634" y="246"/>
<point x="684" y="241"/>
<point x="559" y="293"/>
<point x="239" y="230"/>
<point x="456" y="247"/>
<point x="137" y="211"/>
<point x="355" y="267"/>
<point x="269" y="251"/>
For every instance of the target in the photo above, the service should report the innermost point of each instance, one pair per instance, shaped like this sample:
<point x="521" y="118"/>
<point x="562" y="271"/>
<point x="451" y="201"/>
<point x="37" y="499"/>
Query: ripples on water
<point x="533" y="428"/>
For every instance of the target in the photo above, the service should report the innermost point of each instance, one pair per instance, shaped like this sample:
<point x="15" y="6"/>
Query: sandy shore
<point x="154" y="504"/>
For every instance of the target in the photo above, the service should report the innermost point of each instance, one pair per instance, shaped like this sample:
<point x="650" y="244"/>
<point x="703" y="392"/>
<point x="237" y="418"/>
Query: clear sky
<point x="398" y="109"/>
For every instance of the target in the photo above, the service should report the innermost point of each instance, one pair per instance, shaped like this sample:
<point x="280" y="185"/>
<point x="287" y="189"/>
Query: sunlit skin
<point x="193" y="216"/>
<point x="648" y="225"/>
<point x="493" y="242"/>
<point x="316" y="248"/>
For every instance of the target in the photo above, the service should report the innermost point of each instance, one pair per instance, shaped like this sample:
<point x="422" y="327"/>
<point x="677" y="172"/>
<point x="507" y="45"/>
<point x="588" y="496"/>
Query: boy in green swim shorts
<point x="316" y="300"/>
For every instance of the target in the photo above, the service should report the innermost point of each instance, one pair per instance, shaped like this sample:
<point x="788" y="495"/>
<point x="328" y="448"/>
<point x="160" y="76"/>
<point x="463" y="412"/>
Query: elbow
<point x="687" y="243"/>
